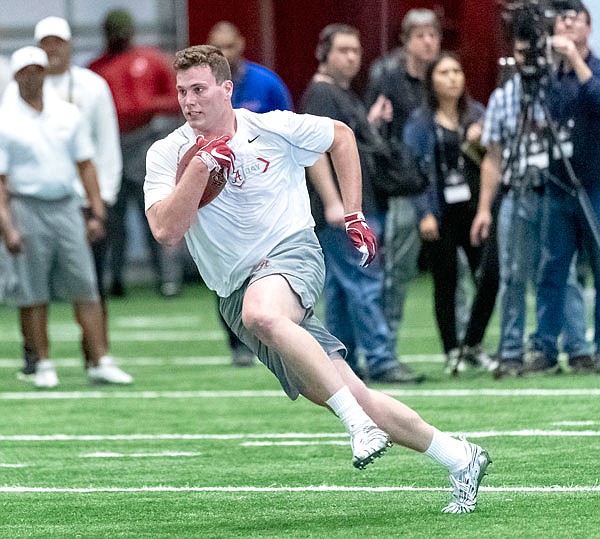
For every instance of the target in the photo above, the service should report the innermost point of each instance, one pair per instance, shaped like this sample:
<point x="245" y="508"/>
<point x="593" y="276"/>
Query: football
<point x="216" y="180"/>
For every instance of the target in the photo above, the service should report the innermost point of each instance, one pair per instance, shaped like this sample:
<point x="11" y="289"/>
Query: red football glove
<point x="216" y="154"/>
<point x="361" y="236"/>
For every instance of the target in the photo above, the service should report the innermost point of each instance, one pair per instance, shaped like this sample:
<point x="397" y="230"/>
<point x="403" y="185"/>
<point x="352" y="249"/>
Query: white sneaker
<point x="368" y="444"/>
<point x="465" y="482"/>
<point x="108" y="373"/>
<point x="476" y="356"/>
<point x="45" y="375"/>
<point x="454" y="363"/>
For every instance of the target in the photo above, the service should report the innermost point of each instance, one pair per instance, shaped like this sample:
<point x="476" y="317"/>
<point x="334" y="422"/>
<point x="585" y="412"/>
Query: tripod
<point x="532" y="96"/>
<point x="520" y="240"/>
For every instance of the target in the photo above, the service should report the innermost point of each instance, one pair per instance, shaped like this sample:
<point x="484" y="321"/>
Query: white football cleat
<point x="368" y="443"/>
<point x="108" y="373"/>
<point x="465" y="482"/>
<point x="45" y="376"/>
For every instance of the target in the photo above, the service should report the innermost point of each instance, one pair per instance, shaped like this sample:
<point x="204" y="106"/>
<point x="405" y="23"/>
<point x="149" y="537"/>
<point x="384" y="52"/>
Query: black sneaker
<point x="399" y="374"/>
<point x="508" y="367"/>
<point x="117" y="290"/>
<point x="27" y="373"/>
<point x="583" y="364"/>
<point x="536" y="362"/>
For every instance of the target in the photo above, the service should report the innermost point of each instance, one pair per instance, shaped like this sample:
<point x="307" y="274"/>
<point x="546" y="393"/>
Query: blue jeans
<point x="353" y="295"/>
<point x="564" y="232"/>
<point x="519" y="244"/>
<point x="401" y="255"/>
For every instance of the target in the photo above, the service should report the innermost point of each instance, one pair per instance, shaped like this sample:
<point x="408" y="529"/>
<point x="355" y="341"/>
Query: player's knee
<point x="259" y="323"/>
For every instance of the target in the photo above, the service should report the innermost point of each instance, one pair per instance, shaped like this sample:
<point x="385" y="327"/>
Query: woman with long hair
<point x="438" y="134"/>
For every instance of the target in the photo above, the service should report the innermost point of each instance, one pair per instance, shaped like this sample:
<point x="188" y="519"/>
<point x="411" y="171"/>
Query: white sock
<point x="346" y="407"/>
<point x="448" y="451"/>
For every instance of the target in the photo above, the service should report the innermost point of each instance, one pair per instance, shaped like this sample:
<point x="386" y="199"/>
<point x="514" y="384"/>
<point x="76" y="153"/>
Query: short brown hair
<point x="326" y="37"/>
<point x="204" y="55"/>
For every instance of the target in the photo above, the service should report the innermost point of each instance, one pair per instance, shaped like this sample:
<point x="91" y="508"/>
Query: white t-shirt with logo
<point x="39" y="150"/>
<point x="264" y="201"/>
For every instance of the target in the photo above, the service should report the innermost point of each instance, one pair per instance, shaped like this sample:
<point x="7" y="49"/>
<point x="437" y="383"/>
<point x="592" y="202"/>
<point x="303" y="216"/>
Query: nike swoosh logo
<point x="251" y="140"/>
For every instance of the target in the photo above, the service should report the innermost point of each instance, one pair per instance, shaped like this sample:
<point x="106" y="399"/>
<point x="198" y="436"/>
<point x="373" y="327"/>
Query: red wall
<point x="472" y="27"/>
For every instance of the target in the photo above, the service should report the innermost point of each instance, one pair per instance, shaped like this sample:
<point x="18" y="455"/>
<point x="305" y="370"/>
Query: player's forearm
<point x="171" y="218"/>
<point x="344" y="155"/>
<point x="321" y="177"/>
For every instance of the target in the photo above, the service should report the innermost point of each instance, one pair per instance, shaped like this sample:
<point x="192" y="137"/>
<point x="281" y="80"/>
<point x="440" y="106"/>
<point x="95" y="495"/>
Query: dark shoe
<point x="27" y="373"/>
<point x="477" y="357"/>
<point x="582" y="364"/>
<point x="399" y="374"/>
<point x="242" y="356"/>
<point x="508" y="367"/>
<point x="117" y="290"/>
<point x="536" y="362"/>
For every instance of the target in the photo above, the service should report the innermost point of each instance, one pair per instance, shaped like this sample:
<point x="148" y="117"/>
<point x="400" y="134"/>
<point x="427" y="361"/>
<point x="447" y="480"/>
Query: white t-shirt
<point x="90" y="93"/>
<point x="38" y="150"/>
<point x="264" y="201"/>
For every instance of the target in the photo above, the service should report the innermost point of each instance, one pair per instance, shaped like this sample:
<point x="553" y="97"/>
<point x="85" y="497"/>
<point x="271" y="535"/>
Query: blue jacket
<point x="260" y="90"/>
<point x="419" y="137"/>
<point x="568" y="99"/>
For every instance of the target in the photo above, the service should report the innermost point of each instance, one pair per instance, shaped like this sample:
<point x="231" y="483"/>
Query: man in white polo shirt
<point x="91" y="95"/>
<point x="44" y="147"/>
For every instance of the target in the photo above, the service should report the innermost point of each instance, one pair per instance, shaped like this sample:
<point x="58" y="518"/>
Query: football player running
<point x="255" y="246"/>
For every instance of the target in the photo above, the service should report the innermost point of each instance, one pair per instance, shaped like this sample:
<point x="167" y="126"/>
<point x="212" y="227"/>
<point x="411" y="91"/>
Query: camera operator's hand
<point x="565" y="47"/>
<point x="568" y="50"/>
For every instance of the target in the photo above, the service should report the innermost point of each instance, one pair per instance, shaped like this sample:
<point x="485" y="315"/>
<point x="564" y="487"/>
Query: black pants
<point x="488" y="282"/>
<point x="117" y="229"/>
<point x="454" y="232"/>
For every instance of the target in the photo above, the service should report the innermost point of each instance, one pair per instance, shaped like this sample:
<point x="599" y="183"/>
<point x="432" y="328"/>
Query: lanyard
<point x="441" y="139"/>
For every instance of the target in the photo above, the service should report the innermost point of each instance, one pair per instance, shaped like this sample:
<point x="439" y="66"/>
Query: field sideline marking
<point x="293" y="436"/>
<point x="321" y="488"/>
<point x="267" y="393"/>
<point x="12" y="362"/>
<point x="139" y="455"/>
<point x="15" y="363"/>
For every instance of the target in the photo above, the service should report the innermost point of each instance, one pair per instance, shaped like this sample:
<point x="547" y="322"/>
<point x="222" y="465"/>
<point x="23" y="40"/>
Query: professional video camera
<point x="533" y="21"/>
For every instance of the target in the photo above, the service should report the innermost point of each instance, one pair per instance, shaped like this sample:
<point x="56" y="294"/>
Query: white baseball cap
<point x="27" y="56"/>
<point x="52" y="26"/>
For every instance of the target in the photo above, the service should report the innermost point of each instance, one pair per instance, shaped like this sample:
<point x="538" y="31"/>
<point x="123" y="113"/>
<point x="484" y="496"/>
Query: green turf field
<point x="198" y="449"/>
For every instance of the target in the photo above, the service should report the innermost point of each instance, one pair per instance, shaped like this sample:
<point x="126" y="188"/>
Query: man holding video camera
<point x="516" y="166"/>
<point x="573" y="99"/>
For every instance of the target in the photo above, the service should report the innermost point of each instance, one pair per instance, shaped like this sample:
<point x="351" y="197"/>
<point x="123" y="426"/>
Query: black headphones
<point x="326" y="39"/>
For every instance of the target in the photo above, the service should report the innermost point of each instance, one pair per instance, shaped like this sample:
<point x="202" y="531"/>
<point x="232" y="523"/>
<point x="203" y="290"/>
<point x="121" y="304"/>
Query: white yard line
<point x="150" y="335"/>
<point x="167" y="454"/>
<point x="320" y="488"/>
<point x="437" y="393"/>
<point x="289" y="438"/>
<point x="75" y="362"/>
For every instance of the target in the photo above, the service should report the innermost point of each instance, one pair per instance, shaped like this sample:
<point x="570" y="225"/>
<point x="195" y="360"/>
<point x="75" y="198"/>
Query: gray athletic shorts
<point x="299" y="260"/>
<point x="56" y="261"/>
